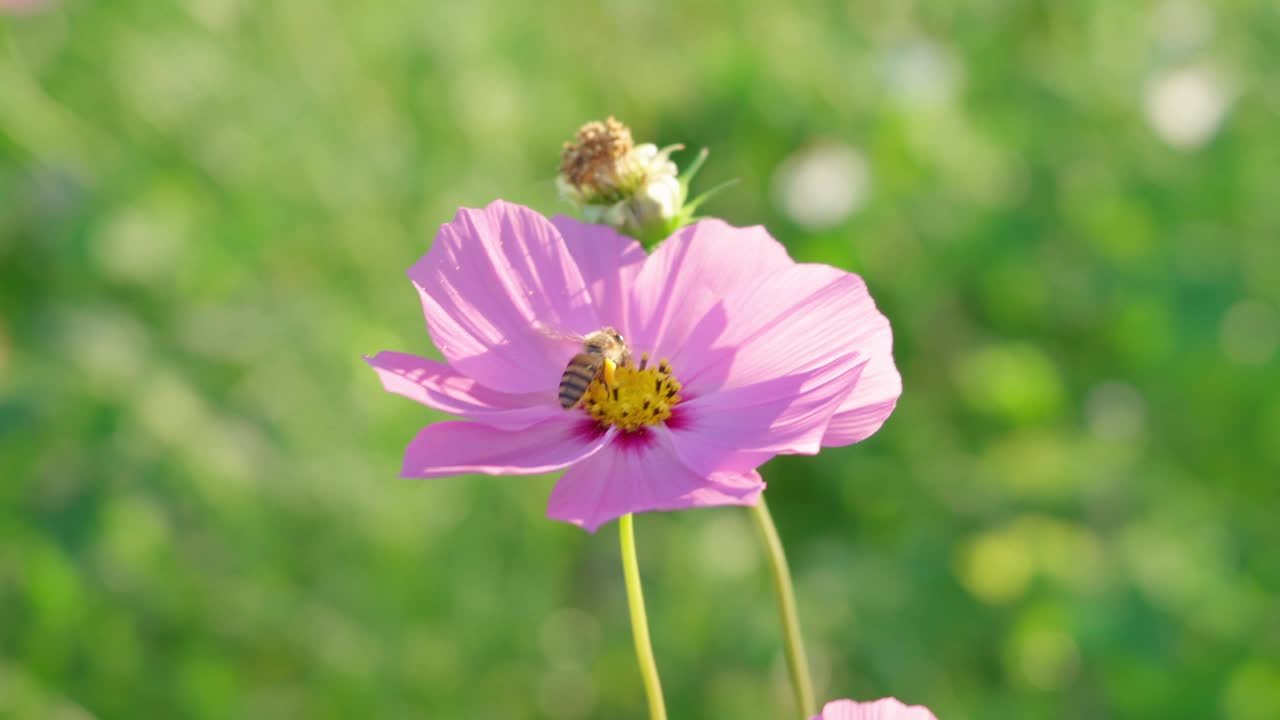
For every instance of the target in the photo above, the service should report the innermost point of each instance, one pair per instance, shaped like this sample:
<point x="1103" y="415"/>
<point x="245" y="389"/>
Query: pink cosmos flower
<point x="740" y="354"/>
<point x="882" y="709"/>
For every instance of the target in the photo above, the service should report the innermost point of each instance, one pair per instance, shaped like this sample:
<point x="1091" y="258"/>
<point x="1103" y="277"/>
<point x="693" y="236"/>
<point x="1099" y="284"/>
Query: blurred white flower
<point x="1186" y="106"/>
<point x="820" y="186"/>
<point x="921" y="73"/>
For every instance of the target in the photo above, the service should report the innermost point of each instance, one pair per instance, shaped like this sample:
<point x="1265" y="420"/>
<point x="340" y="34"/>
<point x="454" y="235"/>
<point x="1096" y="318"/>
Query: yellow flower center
<point x="635" y="397"/>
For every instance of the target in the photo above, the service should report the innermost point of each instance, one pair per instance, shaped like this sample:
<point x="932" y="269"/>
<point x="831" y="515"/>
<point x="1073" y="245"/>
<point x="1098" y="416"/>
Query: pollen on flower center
<point x="637" y="397"/>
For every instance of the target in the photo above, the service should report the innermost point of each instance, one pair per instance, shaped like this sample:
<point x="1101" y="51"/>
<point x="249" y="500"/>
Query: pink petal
<point x="493" y="282"/>
<point x="676" y="291"/>
<point x="438" y="386"/>
<point x="773" y="378"/>
<point x="796" y="318"/>
<point x="609" y="263"/>
<point x="638" y="474"/>
<point x="455" y="448"/>
<point x="882" y="709"/>
<point x="876" y="393"/>
<point x="20" y="7"/>
<point x="704" y="264"/>
<point x="730" y="257"/>
<point x="742" y="427"/>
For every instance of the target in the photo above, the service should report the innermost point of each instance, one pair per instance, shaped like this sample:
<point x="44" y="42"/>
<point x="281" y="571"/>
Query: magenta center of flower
<point x="638" y="396"/>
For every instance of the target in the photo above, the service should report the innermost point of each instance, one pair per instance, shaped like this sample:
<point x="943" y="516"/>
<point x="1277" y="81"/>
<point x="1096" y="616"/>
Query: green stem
<point x="797" y="663"/>
<point x="639" y="622"/>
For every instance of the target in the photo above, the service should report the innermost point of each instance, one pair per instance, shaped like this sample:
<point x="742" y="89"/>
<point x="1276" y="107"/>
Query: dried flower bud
<point x="593" y="162"/>
<point x="613" y="181"/>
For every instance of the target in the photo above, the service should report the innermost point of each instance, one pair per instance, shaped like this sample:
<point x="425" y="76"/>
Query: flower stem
<point x="639" y="621"/>
<point x="797" y="663"/>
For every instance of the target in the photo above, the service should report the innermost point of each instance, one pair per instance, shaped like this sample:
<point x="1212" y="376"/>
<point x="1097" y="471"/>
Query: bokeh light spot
<point x="1250" y="333"/>
<point x="1253" y="692"/>
<point x="1185" y="106"/>
<point x="1015" y="381"/>
<point x="1043" y="655"/>
<point x="996" y="567"/>
<point x="1115" y="411"/>
<point x="820" y="186"/>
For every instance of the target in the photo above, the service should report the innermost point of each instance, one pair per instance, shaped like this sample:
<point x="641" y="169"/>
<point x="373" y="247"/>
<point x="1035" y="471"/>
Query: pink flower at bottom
<point x="22" y="6"/>
<point x="882" y="709"/>
<point x="748" y="355"/>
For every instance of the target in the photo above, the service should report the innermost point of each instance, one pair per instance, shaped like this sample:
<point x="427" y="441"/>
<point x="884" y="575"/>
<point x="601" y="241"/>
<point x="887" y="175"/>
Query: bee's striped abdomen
<point x="574" y="382"/>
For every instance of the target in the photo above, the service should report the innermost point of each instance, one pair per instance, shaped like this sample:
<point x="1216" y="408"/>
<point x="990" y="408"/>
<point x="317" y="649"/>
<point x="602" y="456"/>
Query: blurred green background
<point x="1069" y="211"/>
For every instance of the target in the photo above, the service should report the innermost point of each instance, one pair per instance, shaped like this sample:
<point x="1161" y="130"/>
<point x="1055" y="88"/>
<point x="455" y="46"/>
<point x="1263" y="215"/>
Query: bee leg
<point x="609" y="372"/>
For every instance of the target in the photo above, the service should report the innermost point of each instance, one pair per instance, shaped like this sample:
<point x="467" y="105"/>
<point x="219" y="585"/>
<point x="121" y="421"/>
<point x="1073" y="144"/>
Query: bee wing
<point x="554" y="334"/>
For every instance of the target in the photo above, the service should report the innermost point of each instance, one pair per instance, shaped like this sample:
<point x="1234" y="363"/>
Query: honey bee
<point x="602" y="352"/>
